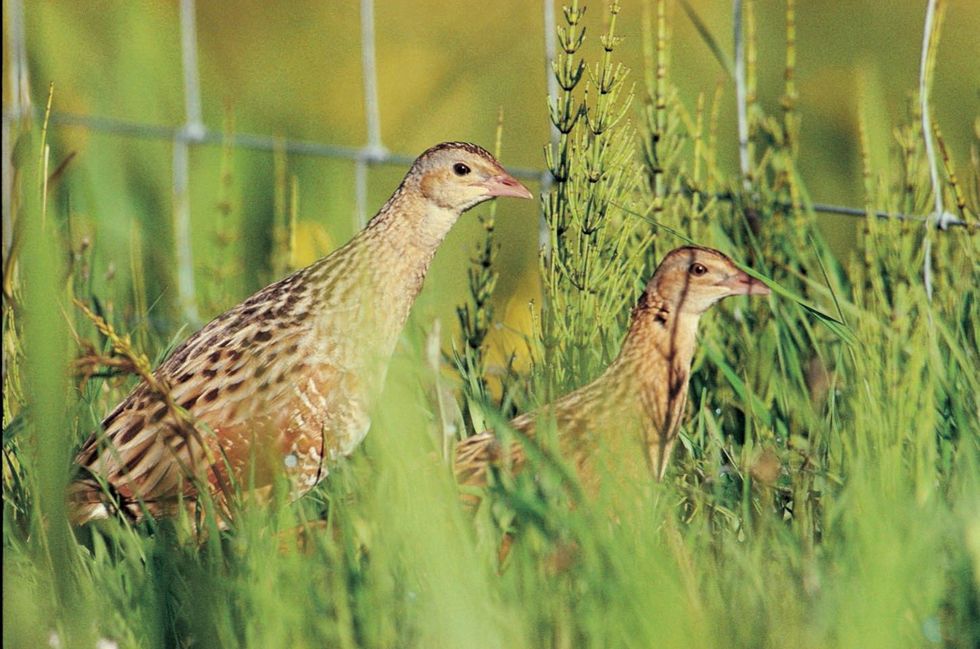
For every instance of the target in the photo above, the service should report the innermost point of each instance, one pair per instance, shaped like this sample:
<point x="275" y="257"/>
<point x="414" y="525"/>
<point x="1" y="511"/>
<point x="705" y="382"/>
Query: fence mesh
<point x="193" y="132"/>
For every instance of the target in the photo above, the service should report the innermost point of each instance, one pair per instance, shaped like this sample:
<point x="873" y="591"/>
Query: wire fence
<point x="193" y="131"/>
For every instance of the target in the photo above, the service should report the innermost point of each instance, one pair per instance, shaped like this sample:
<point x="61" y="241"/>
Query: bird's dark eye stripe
<point x="460" y="169"/>
<point x="697" y="270"/>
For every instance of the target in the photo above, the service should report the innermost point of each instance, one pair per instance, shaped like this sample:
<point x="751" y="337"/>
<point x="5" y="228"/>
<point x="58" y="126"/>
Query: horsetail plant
<point x="594" y="260"/>
<point x="476" y="315"/>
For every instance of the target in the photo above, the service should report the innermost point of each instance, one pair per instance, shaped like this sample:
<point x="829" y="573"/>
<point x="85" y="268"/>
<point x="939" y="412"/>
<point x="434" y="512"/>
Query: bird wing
<point x="601" y="409"/>
<point x="477" y="453"/>
<point x="142" y="454"/>
<point x="224" y="376"/>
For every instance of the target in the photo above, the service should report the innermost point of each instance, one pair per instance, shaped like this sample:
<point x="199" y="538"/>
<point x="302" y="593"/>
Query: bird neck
<point x="660" y="344"/>
<point x="387" y="262"/>
<point x="404" y="237"/>
<point x="409" y="228"/>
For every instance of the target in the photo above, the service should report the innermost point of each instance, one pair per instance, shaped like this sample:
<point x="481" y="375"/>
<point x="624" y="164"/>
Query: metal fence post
<point x="373" y="151"/>
<point x="192" y="131"/>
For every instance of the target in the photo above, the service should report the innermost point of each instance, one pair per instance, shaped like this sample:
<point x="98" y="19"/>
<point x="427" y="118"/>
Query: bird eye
<point x="697" y="269"/>
<point x="460" y="169"/>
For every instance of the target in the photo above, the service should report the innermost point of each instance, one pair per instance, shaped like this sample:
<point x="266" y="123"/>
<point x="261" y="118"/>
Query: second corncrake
<point x="284" y="382"/>
<point x="631" y="413"/>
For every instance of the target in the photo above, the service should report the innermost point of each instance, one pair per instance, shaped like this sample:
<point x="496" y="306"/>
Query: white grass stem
<point x="549" y="61"/>
<point x="19" y="106"/>
<point x="544" y="238"/>
<point x="937" y="218"/>
<point x="193" y="130"/>
<point x="360" y="193"/>
<point x="193" y="119"/>
<point x="740" y="96"/>
<point x="374" y="151"/>
<point x="372" y="112"/>
<point x="182" y="232"/>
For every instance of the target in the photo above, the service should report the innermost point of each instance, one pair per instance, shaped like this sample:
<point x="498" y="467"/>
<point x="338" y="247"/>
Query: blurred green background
<point x="444" y="71"/>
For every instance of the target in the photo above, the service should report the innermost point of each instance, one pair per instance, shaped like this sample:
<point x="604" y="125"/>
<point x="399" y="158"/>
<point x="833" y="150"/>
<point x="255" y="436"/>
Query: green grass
<point x="827" y="493"/>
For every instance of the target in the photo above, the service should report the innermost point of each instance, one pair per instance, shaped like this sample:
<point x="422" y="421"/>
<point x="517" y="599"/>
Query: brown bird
<point x="284" y="382"/>
<point x="634" y="408"/>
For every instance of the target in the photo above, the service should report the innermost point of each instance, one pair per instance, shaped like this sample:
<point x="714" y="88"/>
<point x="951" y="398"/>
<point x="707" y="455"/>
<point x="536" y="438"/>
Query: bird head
<point x="458" y="175"/>
<point x="691" y="279"/>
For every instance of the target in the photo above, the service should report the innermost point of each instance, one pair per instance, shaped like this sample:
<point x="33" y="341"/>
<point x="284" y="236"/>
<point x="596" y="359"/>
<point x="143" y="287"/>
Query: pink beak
<point x="505" y="185"/>
<point x="741" y="284"/>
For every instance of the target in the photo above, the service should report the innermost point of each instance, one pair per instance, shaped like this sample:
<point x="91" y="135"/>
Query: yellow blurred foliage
<point x="515" y="323"/>
<point x="311" y="243"/>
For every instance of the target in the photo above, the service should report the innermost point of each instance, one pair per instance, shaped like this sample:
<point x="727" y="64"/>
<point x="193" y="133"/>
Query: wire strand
<point x="207" y="137"/>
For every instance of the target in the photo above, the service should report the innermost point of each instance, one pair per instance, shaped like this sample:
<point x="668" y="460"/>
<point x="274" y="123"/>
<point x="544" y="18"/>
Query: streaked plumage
<point x="284" y="381"/>
<point x="633" y="410"/>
